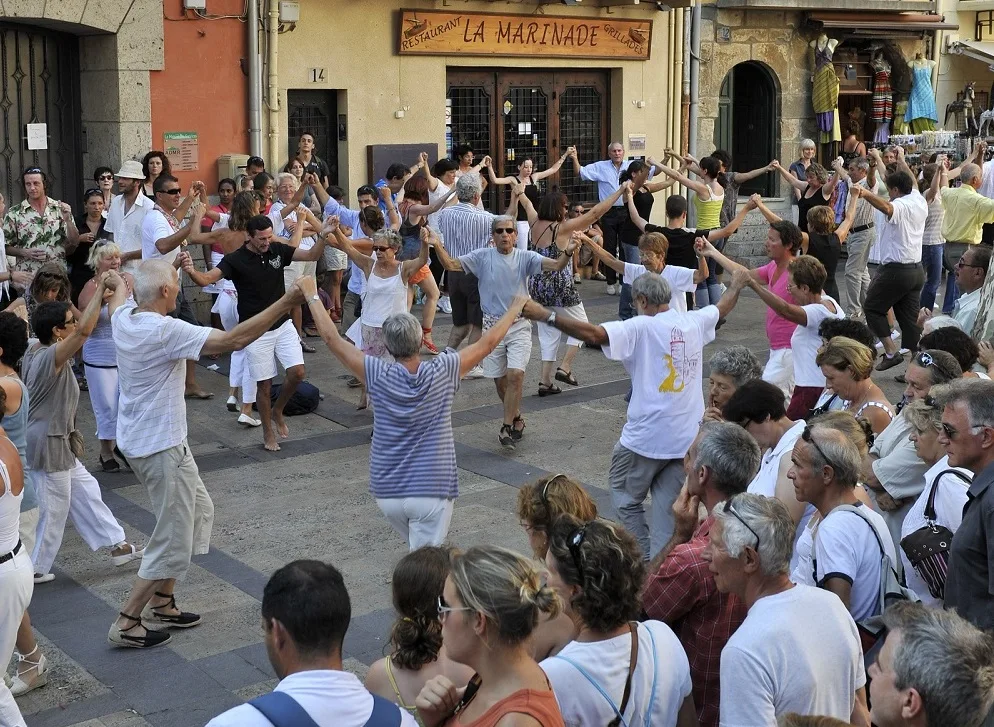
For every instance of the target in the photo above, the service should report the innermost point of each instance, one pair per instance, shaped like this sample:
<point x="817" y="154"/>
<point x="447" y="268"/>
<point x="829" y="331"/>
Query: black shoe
<point x="121" y="637"/>
<point x="110" y="465"/>
<point x="517" y="434"/>
<point x="889" y="362"/>
<point x="120" y="456"/>
<point x="900" y="379"/>
<point x="506" y="437"/>
<point x="181" y="620"/>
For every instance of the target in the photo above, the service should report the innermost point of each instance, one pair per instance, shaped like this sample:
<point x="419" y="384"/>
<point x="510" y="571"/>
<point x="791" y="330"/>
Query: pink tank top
<point x="778" y="330"/>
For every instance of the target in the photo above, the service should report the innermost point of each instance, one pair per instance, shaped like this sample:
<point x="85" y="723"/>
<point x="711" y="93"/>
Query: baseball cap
<point x="131" y="169"/>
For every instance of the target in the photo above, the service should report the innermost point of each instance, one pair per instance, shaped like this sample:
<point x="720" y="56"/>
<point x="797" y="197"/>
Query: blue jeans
<point x="626" y="307"/>
<point x="932" y="262"/>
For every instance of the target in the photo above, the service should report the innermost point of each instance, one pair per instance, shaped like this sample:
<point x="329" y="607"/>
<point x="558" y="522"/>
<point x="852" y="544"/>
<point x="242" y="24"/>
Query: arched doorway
<point x="748" y="122"/>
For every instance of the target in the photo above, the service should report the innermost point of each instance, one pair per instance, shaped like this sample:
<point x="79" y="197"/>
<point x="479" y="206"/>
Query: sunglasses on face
<point x="171" y="191"/>
<point x="951" y="432"/>
<point x="381" y="249"/>
<point x="504" y="230"/>
<point x="105" y="178"/>
<point x="962" y="263"/>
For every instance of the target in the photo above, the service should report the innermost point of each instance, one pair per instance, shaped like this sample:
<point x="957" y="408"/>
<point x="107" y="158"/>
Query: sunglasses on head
<point x="367" y="190"/>
<point x="730" y="507"/>
<point x="93" y="192"/>
<point x="808" y="436"/>
<point x="573" y="544"/>
<point x="925" y="359"/>
<point x="33" y="170"/>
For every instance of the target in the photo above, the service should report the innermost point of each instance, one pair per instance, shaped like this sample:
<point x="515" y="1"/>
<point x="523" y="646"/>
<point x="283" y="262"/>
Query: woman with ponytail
<point x="616" y="671"/>
<point x="491" y="602"/>
<point x="416" y="636"/>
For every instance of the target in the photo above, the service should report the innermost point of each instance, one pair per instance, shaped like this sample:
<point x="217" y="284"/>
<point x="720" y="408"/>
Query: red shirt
<point x="683" y="594"/>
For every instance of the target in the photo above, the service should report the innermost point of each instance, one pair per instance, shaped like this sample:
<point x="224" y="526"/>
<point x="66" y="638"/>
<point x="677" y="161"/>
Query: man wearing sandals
<point x="503" y="273"/>
<point x="152" y="350"/>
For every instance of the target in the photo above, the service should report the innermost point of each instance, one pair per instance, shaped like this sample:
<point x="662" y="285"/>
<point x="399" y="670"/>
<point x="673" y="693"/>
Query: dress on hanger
<point x="883" y="100"/>
<point x="825" y="94"/>
<point x="921" y="113"/>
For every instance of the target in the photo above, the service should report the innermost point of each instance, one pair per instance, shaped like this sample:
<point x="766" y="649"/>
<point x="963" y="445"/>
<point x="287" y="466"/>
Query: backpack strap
<point x="282" y="710"/>
<point x="385" y="713"/>
<point x="930" y="505"/>
<point x="858" y="511"/>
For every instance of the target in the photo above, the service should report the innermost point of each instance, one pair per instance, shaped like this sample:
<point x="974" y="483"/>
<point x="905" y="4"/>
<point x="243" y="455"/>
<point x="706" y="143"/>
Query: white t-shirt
<point x="950" y="497"/>
<point x="681" y="280"/>
<point x="900" y="237"/>
<point x="844" y="547"/>
<point x="440" y="191"/>
<point x="152" y="351"/>
<point x="662" y="355"/>
<point x="279" y="225"/>
<point x="607" y="663"/>
<point x="797" y="651"/>
<point x="805" y="342"/>
<point x="155" y="226"/>
<point x="331" y="698"/>
<point x="127" y="226"/>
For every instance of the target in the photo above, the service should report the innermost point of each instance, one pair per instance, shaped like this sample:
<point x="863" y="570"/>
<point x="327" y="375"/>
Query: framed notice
<point x="430" y="32"/>
<point x="182" y="149"/>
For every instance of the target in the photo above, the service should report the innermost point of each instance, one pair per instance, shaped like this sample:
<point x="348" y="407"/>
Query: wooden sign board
<point x="429" y="32"/>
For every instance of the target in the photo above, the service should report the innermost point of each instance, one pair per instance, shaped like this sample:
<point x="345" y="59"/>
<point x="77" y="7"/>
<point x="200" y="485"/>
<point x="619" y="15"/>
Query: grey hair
<point x="151" y="276"/>
<point x="936" y="322"/>
<point x="615" y="143"/>
<point x="402" y="335"/>
<point x="970" y="171"/>
<point x="977" y="394"/>
<point x="285" y="176"/>
<point x="654" y="288"/>
<point x="772" y="522"/>
<point x="840" y="453"/>
<point x="738" y="363"/>
<point x="498" y="219"/>
<point x="808" y="144"/>
<point x="390" y="237"/>
<point x="731" y="454"/>
<point x="946" y="659"/>
<point x="469" y="187"/>
<point x="860" y="163"/>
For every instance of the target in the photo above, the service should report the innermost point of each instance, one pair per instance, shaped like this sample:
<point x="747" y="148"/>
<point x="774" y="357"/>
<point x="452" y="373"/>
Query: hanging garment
<point x="921" y="101"/>
<point x="825" y="95"/>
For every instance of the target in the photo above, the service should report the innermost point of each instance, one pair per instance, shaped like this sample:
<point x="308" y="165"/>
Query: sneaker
<point x="612" y="290"/>
<point x="44" y="578"/>
<point x="889" y="362"/>
<point x="248" y="421"/>
<point x="576" y="278"/>
<point x="135" y="554"/>
<point x="232" y="404"/>
<point x="474" y="373"/>
<point x="895" y="335"/>
<point x="598" y="276"/>
<point x="444" y="304"/>
<point x="905" y="351"/>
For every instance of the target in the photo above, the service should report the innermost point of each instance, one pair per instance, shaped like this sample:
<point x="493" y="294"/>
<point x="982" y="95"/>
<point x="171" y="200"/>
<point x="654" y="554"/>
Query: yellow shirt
<point x="966" y="213"/>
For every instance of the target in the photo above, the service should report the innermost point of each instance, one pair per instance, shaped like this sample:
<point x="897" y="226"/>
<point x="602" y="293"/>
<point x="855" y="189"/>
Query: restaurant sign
<point x="490" y="34"/>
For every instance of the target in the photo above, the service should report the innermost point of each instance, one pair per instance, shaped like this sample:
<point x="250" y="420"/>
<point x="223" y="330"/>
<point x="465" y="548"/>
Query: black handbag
<point x="928" y="547"/>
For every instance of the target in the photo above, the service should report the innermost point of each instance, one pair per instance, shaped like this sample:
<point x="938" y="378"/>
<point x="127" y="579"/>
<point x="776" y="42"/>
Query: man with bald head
<point x="966" y="213"/>
<point x="152" y="351"/>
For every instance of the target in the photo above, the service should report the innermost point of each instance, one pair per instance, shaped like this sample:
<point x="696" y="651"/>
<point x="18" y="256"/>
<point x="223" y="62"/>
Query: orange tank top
<point x="541" y="706"/>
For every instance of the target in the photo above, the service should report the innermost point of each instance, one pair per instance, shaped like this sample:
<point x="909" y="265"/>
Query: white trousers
<point x="523" y="231"/>
<point x="421" y="520"/>
<point x="104" y="394"/>
<point x="16" y="586"/>
<point x="779" y="370"/>
<point x="72" y="494"/>
<point x="549" y="337"/>
<point x="238" y="373"/>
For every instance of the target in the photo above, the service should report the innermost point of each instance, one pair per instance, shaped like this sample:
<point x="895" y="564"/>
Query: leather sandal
<point x="516" y="433"/>
<point x="120" y="637"/>
<point x="181" y="620"/>
<point x="566" y="377"/>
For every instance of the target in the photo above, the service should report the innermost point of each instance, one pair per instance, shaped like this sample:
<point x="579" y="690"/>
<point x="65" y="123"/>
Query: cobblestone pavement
<point x="309" y="500"/>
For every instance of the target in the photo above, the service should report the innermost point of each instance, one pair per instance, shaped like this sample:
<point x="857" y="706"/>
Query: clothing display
<point x="883" y="99"/>
<point x="921" y="113"/>
<point x="825" y="94"/>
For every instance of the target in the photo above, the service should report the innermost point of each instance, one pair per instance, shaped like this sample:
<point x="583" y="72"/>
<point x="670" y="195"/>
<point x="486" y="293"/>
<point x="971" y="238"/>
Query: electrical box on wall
<point x="289" y="11"/>
<point x="195" y="4"/>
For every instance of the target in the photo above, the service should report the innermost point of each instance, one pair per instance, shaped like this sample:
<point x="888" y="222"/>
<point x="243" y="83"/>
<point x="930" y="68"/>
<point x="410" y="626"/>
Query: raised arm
<point x="705" y="248"/>
<point x="474" y="353"/>
<point x="494" y="179"/>
<point x="732" y="227"/>
<point x="876" y="201"/>
<point x="202" y="279"/>
<point x="319" y="189"/>
<point x="902" y="164"/>
<point x="365" y="262"/>
<point x="770" y="216"/>
<point x="554" y="169"/>
<point x="603" y="255"/>
<point x="560" y="263"/>
<point x="792" y="313"/>
<point x="170" y="243"/>
<point x="71" y="344"/>
<point x="799" y="184"/>
<point x="351" y="357"/>
<point x="430" y="209"/>
<point x="588" y="332"/>
<point x="594" y="213"/>
<point x="529" y="209"/>
<point x="829" y="187"/>
<point x="576" y="161"/>
<point x="840" y="169"/>
<point x="939" y="179"/>
<point x="842" y="231"/>
<point x="633" y="212"/>
<point x="700" y="187"/>
<point x="449" y="263"/>
<point x="725" y="304"/>
<point x="247" y="331"/>
<point x="743" y="177"/>
<point x="410" y="267"/>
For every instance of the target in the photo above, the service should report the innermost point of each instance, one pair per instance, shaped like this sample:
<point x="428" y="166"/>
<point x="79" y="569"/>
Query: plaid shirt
<point x="683" y="594"/>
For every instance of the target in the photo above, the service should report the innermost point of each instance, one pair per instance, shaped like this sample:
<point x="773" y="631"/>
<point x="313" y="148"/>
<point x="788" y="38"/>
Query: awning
<point x="978" y="50"/>
<point x="877" y="23"/>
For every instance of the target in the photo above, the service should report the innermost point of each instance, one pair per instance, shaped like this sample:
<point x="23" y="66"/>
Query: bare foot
<point x="281" y="428"/>
<point x="270" y="443"/>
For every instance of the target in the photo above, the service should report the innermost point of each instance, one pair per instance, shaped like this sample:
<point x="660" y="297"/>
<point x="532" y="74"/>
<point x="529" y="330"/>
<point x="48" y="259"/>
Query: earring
<point x="58" y="339"/>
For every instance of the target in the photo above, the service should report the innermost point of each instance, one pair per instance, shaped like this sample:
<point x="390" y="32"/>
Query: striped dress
<point x="883" y="95"/>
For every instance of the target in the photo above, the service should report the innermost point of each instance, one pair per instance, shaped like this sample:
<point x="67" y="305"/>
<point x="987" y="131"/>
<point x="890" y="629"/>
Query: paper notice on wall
<point x="636" y="142"/>
<point x="37" y="136"/>
<point x="182" y="148"/>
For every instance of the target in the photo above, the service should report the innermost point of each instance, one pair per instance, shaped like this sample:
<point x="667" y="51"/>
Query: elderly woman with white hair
<point x="100" y="356"/>
<point x="729" y="369"/>
<point x="815" y="663"/>
<point x="412" y="460"/>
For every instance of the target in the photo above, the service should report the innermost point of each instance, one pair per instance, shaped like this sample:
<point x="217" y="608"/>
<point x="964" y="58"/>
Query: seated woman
<point x="539" y="504"/>
<point x="616" y="669"/>
<point x="491" y="601"/>
<point x="847" y="365"/>
<point x="940" y="503"/>
<point x="416" y="637"/>
<point x="729" y="369"/>
<point x="829" y="329"/>
<point x="805" y="282"/>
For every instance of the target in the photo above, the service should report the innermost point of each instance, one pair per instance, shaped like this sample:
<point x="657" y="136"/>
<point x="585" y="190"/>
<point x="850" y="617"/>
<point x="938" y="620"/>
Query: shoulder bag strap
<point x="857" y="511"/>
<point x="282" y="710"/>
<point x="633" y="628"/>
<point x="619" y="719"/>
<point x="930" y="505"/>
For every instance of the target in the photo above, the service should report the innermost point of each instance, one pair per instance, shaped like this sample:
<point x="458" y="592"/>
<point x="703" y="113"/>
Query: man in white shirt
<point x="971" y="270"/>
<point x="127" y="213"/>
<point x="842" y="552"/>
<point x="900" y="277"/>
<point x="152" y="348"/>
<point x="305" y="613"/>
<point x="662" y="352"/>
<point x="798" y="649"/>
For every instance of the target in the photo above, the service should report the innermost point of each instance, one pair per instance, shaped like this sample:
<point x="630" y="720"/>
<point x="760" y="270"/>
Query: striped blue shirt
<point x="465" y="228"/>
<point x="413" y="452"/>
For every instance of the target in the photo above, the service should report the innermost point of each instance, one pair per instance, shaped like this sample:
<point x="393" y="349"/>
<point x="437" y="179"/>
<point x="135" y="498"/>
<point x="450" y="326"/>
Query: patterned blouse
<point x="25" y="228"/>
<point x="552" y="288"/>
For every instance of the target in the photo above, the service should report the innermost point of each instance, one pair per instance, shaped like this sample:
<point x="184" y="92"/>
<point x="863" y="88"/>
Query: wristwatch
<point x="315" y="297"/>
<point x="551" y="320"/>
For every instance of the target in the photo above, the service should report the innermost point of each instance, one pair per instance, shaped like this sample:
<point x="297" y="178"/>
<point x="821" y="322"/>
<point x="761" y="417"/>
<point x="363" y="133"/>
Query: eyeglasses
<point x="963" y="264"/>
<point x="930" y="401"/>
<point x="508" y="230"/>
<point x="730" y="507"/>
<point x="808" y="437"/>
<point x="105" y="178"/>
<point x="171" y="191"/>
<point x="381" y="249"/>
<point x="573" y="544"/>
<point x="70" y="322"/>
<point x="443" y="609"/>
<point x="951" y="432"/>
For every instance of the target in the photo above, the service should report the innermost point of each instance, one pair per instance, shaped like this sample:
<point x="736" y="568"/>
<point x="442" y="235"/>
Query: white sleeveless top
<point x="383" y="297"/>
<point x="10" y="513"/>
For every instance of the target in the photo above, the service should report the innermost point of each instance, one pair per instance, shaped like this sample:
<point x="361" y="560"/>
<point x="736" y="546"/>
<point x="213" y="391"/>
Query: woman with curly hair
<point x="616" y="669"/>
<point x="416" y="636"/>
<point x="728" y="370"/>
<point x="153" y="164"/>
<point x="490" y="604"/>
